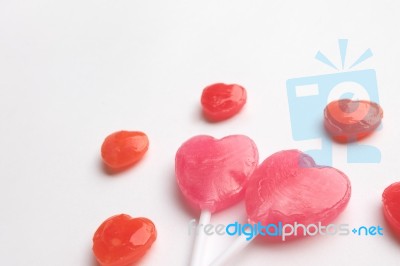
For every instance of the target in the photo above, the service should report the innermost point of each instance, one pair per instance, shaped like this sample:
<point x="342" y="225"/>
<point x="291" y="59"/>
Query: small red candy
<point x="391" y="206"/>
<point x="221" y="101"/>
<point x="122" y="240"/>
<point x="347" y="120"/>
<point x="124" y="148"/>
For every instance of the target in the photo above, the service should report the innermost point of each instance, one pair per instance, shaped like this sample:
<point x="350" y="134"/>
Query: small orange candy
<point x="122" y="240"/>
<point x="124" y="148"/>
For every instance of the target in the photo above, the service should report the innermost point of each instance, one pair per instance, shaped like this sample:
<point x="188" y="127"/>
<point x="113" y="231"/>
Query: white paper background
<point x="71" y="72"/>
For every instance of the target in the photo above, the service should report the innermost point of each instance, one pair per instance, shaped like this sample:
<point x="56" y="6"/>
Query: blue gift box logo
<point x="308" y="97"/>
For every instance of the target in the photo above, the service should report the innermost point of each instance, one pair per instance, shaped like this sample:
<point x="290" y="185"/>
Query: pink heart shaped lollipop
<point x="212" y="173"/>
<point x="289" y="187"/>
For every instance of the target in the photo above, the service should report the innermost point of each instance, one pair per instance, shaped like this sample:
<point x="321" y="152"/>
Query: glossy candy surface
<point x="221" y="101"/>
<point x="124" y="148"/>
<point x="347" y="121"/>
<point x="391" y="206"/>
<point x="122" y="240"/>
<point x="213" y="173"/>
<point x="288" y="187"/>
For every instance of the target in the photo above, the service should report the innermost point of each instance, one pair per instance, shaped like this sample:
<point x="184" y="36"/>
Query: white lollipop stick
<point x="200" y="239"/>
<point x="240" y="243"/>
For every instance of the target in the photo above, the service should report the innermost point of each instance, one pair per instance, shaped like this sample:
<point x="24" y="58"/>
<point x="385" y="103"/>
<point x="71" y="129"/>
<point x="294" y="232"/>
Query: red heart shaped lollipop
<point x="347" y="120"/>
<point x="288" y="187"/>
<point x="391" y="206"/>
<point x="221" y="101"/>
<point x="122" y="240"/>
<point x="212" y="173"/>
